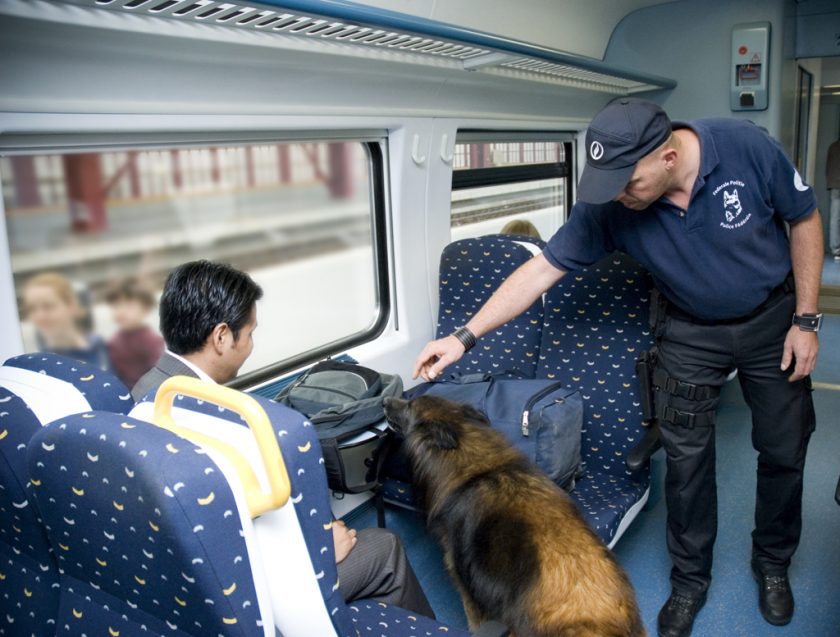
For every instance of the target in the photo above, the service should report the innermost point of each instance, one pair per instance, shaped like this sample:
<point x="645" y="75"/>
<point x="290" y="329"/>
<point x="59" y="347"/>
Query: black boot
<point x="677" y="615"/>
<point x="775" y="599"/>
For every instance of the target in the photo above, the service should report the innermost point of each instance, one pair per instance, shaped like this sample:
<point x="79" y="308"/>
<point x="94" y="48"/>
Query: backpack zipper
<point x="533" y="400"/>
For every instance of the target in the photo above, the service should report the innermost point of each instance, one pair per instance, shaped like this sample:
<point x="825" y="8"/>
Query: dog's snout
<point x="394" y="409"/>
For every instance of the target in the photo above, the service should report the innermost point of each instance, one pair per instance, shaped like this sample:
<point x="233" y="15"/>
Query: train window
<point x="304" y="218"/>
<point x="499" y="178"/>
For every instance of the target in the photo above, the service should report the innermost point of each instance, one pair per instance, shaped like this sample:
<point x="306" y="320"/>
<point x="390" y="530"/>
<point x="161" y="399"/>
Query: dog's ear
<point x="475" y="414"/>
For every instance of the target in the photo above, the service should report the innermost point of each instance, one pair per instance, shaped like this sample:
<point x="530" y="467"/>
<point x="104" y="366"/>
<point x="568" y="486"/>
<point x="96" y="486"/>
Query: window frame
<point x="375" y="143"/>
<point x="382" y="286"/>
<point x="501" y="175"/>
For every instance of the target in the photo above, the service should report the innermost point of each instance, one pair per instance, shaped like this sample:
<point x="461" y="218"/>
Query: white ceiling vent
<point x="281" y="21"/>
<point x="354" y="25"/>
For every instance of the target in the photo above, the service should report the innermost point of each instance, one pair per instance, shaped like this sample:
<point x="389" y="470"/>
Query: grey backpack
<point x="344" y="400"/>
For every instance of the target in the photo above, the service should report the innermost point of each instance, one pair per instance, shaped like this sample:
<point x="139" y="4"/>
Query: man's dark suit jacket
<point x="166" y="367"/>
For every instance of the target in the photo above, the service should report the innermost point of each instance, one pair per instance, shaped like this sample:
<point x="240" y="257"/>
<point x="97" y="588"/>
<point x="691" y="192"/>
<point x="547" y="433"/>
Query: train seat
<point x="34" y="390"/>
<point x="596" y="324"/>
<point x="470" y="271"/>
<point x="171" y="535"/>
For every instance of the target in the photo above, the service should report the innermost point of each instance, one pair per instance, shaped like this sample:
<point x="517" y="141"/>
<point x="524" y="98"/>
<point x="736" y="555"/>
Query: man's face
<point x="238" y="350"/>
<point x="650" y="180"/>
<point x="129" y="314"/>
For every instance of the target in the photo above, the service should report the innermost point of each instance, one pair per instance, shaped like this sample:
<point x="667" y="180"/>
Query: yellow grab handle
<point x="278" y="478"/>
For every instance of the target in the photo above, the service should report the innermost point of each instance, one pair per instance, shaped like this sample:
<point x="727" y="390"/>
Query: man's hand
<point x="436" y="356"/>
<point x="800" y="346"/>
<point x="344" y="540"/>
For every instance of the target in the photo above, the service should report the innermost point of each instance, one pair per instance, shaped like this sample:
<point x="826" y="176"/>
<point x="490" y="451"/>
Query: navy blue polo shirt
<point x="720" y="258"/>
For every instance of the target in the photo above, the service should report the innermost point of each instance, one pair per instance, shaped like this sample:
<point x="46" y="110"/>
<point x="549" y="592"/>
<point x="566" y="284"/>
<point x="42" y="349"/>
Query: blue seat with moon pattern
<point x="596" y="324"/>
<point x="470" y="271"/>
<point x="154" y="532"/>
<point x="145" y="528"/>
<point x="35" y="389"/>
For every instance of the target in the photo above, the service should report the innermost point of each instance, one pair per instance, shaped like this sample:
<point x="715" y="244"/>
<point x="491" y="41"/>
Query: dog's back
<point x="513" y="541"/>
<point x="525" y="556"/>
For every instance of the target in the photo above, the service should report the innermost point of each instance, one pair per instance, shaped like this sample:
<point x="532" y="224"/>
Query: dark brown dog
<point x="513" y="542"/>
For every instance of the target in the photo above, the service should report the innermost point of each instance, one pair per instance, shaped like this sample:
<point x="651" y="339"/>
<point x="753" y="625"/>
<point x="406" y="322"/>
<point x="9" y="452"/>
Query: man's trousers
<point x="702" y="355"/>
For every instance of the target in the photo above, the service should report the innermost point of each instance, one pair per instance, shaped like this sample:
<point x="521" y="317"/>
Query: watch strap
<point x="808" y="322"/>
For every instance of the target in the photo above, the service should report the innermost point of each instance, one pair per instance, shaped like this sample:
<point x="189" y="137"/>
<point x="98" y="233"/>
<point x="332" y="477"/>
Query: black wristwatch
<point x="808" y="322"/>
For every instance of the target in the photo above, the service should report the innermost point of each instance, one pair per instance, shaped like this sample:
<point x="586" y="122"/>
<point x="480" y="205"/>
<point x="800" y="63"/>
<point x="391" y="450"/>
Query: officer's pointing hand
<point x="436" y="356"/>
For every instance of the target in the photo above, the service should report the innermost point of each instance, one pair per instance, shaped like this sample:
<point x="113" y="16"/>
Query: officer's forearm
<point x="806" y="253"/>
<point x="515" y="295"/>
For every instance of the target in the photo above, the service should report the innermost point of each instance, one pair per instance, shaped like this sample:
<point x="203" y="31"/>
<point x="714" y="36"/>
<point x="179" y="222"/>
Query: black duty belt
<point x="786" y="287"/>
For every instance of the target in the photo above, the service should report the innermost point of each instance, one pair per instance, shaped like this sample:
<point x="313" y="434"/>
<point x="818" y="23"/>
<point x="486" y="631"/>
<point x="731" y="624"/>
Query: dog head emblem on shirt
<point x="731" y="204"/>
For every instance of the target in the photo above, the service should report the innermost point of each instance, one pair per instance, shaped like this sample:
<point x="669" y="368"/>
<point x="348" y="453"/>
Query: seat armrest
<point x="492" y="629"/>
<point x="646" y="447"/>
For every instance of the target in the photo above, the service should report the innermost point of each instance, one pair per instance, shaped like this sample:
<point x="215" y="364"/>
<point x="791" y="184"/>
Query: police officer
<point x="719" y="216"/>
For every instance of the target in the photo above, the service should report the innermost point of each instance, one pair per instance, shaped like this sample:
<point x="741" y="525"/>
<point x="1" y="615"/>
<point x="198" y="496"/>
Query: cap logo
<point x="596" y="151"/>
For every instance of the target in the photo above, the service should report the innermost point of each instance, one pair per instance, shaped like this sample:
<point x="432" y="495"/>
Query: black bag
<point x="541" y="417"/>
<point x="344" y="402"/>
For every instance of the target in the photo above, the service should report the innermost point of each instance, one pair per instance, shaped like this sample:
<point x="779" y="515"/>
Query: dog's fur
<point x="513" y="542"/>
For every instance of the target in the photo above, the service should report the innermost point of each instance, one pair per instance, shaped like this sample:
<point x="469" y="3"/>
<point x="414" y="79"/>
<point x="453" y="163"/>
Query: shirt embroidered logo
<point x="731" y="204"/>
<point x="733" y="210"/>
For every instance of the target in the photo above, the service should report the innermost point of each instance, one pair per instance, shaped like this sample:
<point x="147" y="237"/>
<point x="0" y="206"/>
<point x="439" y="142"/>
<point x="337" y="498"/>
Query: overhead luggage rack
<point x="360" y="28"/>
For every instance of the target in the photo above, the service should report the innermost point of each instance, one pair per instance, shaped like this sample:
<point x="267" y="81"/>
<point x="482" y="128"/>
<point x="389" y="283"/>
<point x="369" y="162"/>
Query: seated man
<point x="208" y="315"/>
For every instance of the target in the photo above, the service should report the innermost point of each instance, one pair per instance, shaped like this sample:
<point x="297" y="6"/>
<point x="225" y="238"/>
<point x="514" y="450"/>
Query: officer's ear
<point x="668" y="156"/>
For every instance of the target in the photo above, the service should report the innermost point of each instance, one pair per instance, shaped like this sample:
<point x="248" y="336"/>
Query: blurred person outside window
<point x="135" y="347"/>
<point x="51" y="303"/>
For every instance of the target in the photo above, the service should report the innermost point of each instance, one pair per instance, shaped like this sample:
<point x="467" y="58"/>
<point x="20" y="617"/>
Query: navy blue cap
<point x="625" y="130"/>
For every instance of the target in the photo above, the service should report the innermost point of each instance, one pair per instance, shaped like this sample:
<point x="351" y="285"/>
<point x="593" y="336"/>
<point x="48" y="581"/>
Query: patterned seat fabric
<point x="596" y="324"/>
<point x="310" y="495"/>
<point x="311" y="505"/>
<point x="35" y="388"/>
<point x="300" y="448"/>
<point x="145" y="528"/>
<point x="380" y="620"/>
<point x="470" y="271"/>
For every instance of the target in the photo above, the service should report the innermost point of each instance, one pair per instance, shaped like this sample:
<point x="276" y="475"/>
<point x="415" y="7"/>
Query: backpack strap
<point x="336" y="471"/>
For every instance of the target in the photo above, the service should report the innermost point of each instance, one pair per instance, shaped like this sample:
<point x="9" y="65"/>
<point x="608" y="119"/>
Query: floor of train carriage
<point x="732" y="606"/>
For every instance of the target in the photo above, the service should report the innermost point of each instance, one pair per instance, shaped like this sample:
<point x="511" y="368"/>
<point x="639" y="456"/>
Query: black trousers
<point x="782" y="423"/>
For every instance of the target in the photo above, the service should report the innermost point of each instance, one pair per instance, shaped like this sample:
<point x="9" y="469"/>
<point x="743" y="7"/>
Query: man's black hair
<point x="199" y="295"/>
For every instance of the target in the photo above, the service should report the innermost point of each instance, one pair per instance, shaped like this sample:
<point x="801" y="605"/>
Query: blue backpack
<point x="540" y="417"/>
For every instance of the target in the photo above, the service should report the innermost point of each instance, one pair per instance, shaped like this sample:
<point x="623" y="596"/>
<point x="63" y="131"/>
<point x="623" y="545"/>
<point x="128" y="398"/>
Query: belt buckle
<point x="680" y="418"/>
